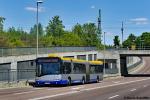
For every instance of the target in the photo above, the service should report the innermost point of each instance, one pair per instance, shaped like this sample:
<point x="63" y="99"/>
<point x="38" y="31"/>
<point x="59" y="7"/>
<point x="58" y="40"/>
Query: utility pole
<point x="99" y="26"/>
<point x="122" y="31"/>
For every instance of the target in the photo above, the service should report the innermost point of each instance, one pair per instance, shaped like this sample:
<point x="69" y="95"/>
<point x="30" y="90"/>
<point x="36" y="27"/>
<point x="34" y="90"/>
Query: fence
<point x="111" y="71"/>
<point x="16" y="75"/>
<point x="30" y="50"/>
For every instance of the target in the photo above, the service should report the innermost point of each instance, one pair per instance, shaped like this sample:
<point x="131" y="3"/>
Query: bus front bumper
<point x="55" y="82"/>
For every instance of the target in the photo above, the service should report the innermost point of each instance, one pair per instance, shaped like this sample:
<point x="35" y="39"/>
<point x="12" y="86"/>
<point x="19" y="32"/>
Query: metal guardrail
<point x="30" y="50"/>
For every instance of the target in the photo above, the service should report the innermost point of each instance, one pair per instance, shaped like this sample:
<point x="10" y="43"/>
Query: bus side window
<point x="101" y="68"/>
<point x="79" y="68"/>
<point x="66" y="68"/>
<point x="92" y="69"/>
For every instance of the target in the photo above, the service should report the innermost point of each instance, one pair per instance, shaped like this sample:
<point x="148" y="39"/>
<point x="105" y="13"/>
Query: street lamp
<point x="37" y="29"/>
<point x="104" y="54"/>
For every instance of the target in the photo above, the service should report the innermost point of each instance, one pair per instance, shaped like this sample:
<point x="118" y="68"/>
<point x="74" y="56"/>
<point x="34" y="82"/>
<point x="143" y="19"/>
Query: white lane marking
<point x="46" y="88"/>
<point x="53" y="89"/>
<point x="145" y="86"/>
<point x="76" y="88"/>
<point x="37" y="88"/>
<point x="133" y="90"/>
<point x="115" y="84"/>
<point x="23" y="93"/>
<point x="51" y="96"/>
<point x="113" y="97"/>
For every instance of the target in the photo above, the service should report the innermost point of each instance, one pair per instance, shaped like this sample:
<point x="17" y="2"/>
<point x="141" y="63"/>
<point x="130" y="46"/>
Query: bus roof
<point x="53" y="55"/>
<point x="79" y="60"/>
<point x="96" y="62"/>
<point x="76" y="60"/>
<point x="64" y="58"/>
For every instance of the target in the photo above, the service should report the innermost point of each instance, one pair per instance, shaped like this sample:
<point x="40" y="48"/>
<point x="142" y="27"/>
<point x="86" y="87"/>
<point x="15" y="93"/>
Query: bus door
<point x="66" y="68"/>
<point x="87" y="73"/>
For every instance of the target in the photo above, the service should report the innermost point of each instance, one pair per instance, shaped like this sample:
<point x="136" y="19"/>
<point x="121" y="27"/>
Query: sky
<point x="134" y="13"/>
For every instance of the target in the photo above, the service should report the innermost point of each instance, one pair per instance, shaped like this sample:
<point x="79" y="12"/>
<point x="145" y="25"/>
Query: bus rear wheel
<point x="69" y="81"/>
<point x="83" y="81"/>
<point x="97" y="80"/>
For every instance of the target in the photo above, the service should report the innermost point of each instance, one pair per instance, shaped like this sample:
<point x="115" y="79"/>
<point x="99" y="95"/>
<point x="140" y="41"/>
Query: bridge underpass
<point x="143" y="54"/>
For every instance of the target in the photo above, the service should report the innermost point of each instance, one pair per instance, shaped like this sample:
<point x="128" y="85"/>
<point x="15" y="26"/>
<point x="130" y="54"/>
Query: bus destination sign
<point x="47" y="60"/>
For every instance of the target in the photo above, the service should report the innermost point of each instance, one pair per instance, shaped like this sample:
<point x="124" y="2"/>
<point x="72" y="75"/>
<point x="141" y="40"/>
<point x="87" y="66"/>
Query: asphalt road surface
<point x="146" y="68"/>
<point x="121" y="88"/>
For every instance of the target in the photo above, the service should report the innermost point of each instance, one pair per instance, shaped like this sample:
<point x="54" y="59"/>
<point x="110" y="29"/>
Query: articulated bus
<point x="66" y="71"/>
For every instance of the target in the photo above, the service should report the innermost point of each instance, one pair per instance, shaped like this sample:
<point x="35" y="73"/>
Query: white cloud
<point x="139" y="21"/>
<point x="92" y="7"/>
<point x="34" y="9"/>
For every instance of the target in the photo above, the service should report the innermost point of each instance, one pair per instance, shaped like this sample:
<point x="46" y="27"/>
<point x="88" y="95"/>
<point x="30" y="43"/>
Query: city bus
<point x="66" y="71"/>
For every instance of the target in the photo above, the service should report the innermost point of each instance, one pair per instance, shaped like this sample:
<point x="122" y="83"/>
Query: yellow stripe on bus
<point x="76" y="60"/>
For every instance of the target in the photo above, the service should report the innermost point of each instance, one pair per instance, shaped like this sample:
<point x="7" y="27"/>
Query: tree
<point x="15" y="43"/>
<point x="1" y="23"/>
<point x="130" y="41"/>
<point x="77" y="29"/>
<point x="89" y="28"/>
<point x="144" y="39"/>
<point x="90" y="34"/>
<point x="116" y="41"/>
<point x="33" y="30"/>
<point x="46" y="41"/>
<point x="70" y="39"/>
<point x="55" y="27"/>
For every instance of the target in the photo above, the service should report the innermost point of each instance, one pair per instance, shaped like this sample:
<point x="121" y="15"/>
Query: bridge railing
<point x="129" y="48"/>
<point x="31" y="50"/>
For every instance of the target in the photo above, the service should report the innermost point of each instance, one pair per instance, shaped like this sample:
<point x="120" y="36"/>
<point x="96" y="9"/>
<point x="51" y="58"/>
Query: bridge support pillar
<point x="123" y="65"/>
<point x="13" y="71"/>
<point x="118" y="66"/>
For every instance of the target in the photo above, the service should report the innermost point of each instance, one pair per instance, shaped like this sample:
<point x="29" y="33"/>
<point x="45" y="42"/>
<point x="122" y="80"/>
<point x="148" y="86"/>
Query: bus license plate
<point x="47" y="83"/>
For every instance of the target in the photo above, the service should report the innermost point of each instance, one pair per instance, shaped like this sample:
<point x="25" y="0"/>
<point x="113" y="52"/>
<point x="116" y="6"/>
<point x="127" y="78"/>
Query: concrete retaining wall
<point x="133" y="62"/>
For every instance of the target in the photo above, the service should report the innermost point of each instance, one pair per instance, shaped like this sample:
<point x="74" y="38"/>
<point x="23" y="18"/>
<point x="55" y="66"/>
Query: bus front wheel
<point x="69" y="81"/>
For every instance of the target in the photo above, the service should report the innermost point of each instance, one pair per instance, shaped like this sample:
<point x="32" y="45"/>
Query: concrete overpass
<point x="121" y="57"/>
<point x="134" y="52"/>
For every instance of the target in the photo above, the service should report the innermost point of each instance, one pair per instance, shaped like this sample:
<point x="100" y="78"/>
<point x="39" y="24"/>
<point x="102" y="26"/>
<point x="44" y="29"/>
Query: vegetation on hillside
<point x="142" y="41"/>
<point x="54" y="35"/>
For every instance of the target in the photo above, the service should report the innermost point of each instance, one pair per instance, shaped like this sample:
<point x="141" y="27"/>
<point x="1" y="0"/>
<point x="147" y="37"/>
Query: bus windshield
<point x="49" y="68"/>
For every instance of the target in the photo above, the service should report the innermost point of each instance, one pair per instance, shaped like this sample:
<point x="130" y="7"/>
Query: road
<point x="120" y="88"/>
<point x="146" y="68"/>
